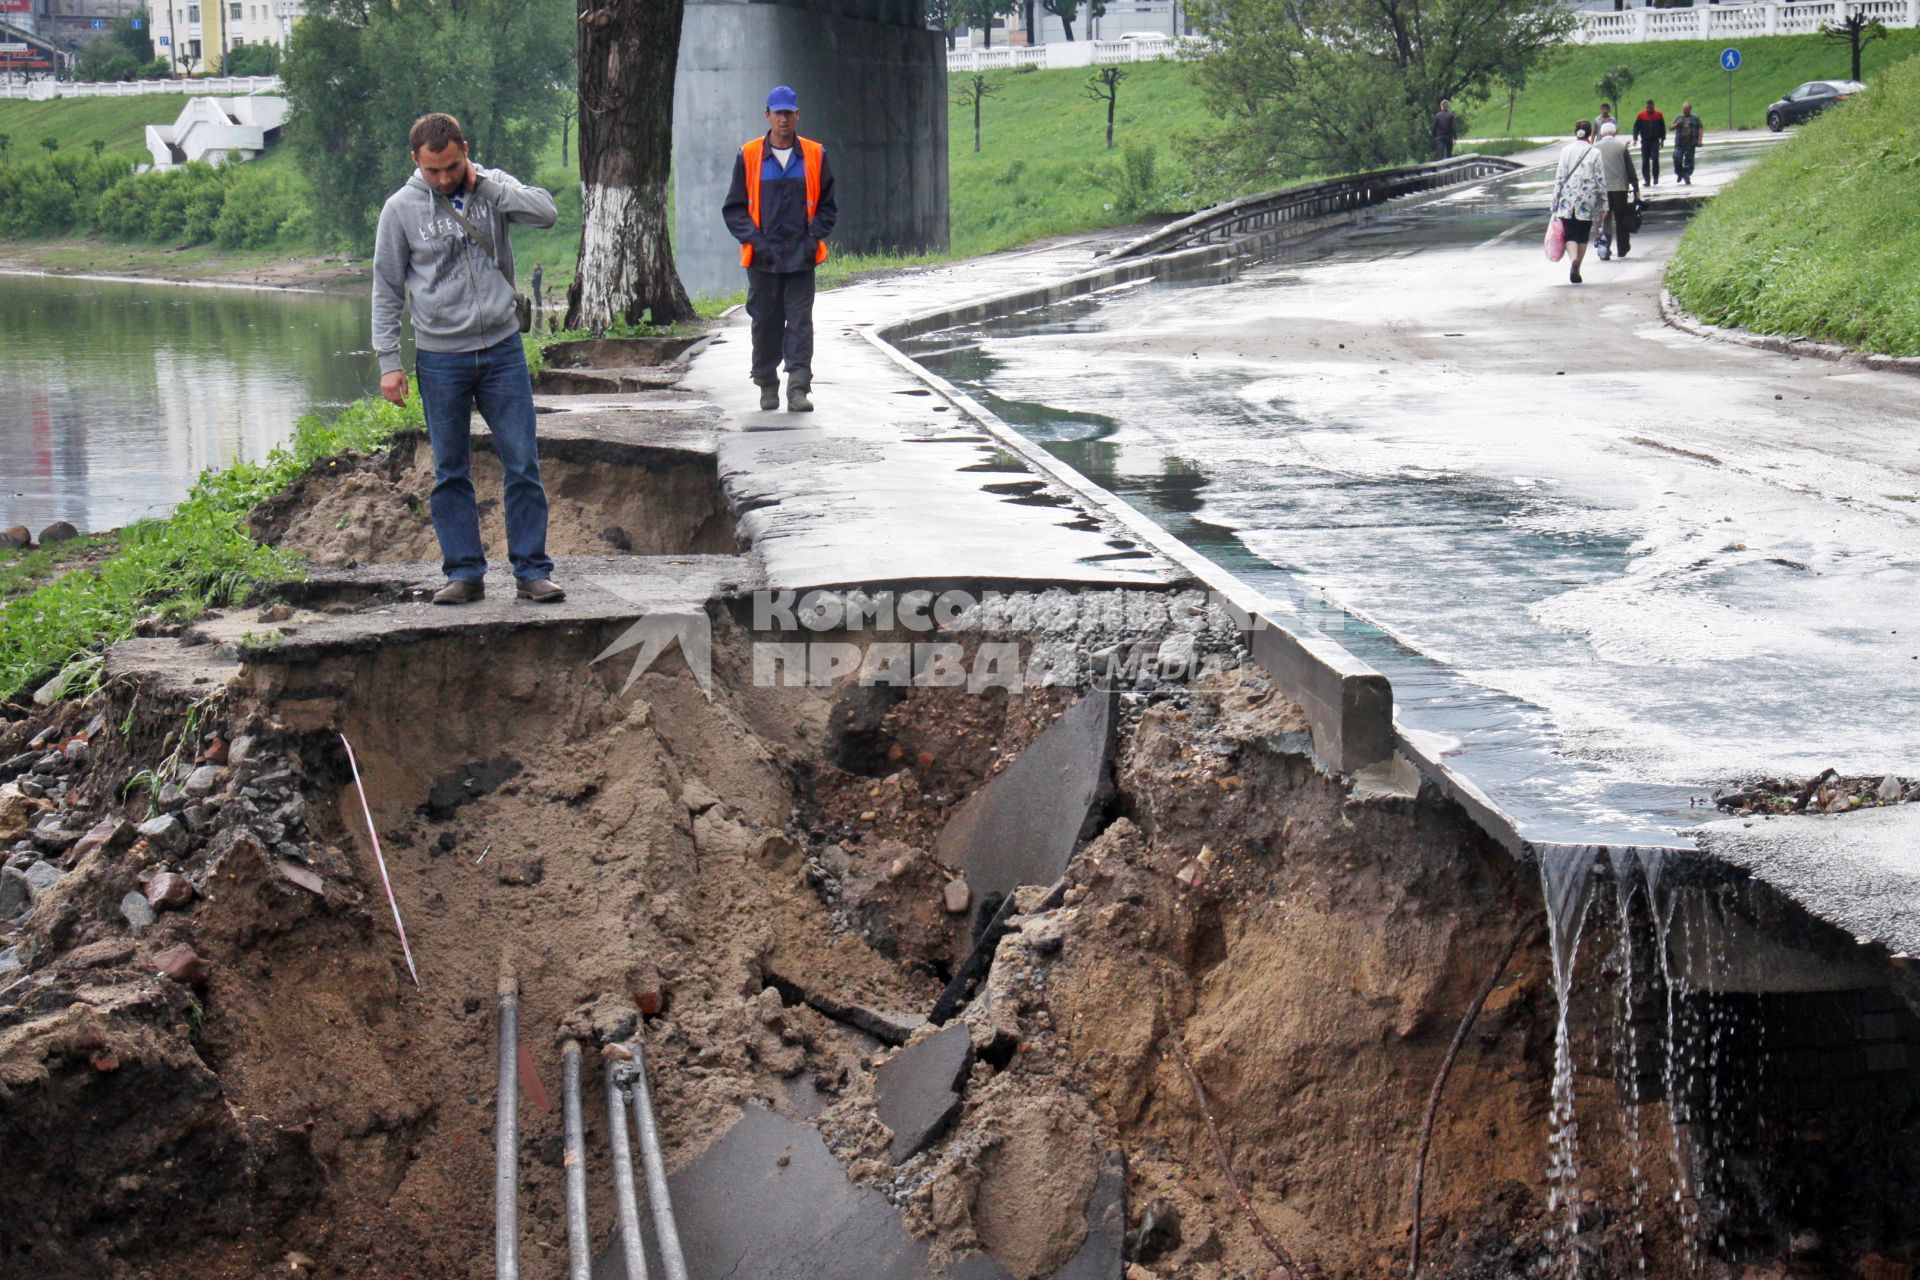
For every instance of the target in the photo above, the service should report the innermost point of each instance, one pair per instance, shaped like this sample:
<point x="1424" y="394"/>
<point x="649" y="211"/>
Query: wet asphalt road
<point x="1611" y="566"/>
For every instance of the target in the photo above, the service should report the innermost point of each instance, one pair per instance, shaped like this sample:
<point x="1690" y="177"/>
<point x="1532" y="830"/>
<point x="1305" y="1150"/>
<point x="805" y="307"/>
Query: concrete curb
<point x="1677" y="316"/>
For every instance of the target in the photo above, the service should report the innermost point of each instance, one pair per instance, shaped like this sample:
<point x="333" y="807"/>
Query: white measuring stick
<point x="405" y="950"/>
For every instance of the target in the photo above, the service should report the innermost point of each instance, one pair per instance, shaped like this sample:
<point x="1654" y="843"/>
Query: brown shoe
<point x="540" y="591"/>
<point x="460" y="591"/>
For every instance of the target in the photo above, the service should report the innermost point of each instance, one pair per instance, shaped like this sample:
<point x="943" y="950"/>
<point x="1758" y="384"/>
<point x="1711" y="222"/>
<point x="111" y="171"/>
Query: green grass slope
<point x="1039" y="137"/>
<point x="121" y="123"/>
<point x="1675" y="71"/>
<point x="1819" y="238"/>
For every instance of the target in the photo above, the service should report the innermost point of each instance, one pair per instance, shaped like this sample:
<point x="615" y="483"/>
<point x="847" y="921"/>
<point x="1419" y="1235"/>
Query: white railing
<point x="1739" y="18"/>
<point x="1072" y="53"/>
<point x="208" y="87"/>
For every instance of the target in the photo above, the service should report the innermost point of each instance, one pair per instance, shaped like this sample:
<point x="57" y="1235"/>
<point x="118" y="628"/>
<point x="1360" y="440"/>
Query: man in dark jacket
<point x="1650" y="131"/>
<point x="1688" y="132"/>
<point x="781" y="210"/>
<point x="1446" y="126"/>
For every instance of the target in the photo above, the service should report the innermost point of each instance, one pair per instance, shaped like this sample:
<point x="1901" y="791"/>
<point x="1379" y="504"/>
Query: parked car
<point x="1809" y="100"/>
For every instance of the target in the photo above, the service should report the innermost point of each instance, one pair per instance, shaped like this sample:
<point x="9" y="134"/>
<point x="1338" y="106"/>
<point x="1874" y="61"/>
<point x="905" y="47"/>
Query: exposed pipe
<point x="666" y="1235"/>
<point x="626" y="1206"/>
<point x="579" y="1248"/>
<point x="506" y="1136"/>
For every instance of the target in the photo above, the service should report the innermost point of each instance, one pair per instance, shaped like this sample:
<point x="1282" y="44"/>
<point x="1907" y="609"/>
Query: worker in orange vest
<point x="781" y="210"/>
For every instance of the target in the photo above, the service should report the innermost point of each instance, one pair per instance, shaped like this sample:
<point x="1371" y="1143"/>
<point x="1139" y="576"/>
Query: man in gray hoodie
<point x="442" y="249"/>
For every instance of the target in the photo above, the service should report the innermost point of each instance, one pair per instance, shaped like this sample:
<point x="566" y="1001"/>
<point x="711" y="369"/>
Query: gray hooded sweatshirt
<point x="460" y="301"/>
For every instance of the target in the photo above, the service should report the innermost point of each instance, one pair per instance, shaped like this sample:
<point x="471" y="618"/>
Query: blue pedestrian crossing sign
<point x="1730" y="59"/>
<point x="138" y="23"/>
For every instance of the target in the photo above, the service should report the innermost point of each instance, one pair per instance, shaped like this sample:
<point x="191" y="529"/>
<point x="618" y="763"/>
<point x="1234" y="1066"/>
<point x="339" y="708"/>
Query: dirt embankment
<point x="280" y="1098"/>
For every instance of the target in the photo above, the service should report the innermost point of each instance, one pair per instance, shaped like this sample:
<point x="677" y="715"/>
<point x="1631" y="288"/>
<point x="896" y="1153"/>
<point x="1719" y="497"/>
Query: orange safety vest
<point x="811" y="154"/>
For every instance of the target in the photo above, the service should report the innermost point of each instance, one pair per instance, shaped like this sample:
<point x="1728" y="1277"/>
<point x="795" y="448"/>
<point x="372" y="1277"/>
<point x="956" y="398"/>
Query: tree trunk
<point x="1113" y="100"/>
<point x="976" y="122"/>
<point x="628" y="55"/>
<point x="1856" y="53"/>
<point x="988" y="29"/>
<point x="1032" y="23"/>
<point x="1066" y="25"/>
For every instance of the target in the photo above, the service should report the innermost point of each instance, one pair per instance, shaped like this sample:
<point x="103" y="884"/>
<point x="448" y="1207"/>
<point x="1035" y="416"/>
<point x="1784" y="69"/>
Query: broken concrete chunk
<point x="204" y="781"/>
<point x="164" y="833"/>
<point x="40" y="877"/>
<point x="1103" y="1254"/>
<point x="138" y="912"/>
<point x="14" y="896"/>
<point x="109" y="834"/>
<point x="918" y="1090"/>
<point x="771" y="1192"/>
<point x="304" y="878"/>
<point x="1022" y="827"/>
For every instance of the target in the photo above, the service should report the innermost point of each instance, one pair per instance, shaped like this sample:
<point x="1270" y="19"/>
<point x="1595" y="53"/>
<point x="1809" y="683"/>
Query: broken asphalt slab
<point x="918" y="1090"/>
<point x="1023" y="826"/>
<point x="770" y="1201"/>
<point x="1860" y="871"/>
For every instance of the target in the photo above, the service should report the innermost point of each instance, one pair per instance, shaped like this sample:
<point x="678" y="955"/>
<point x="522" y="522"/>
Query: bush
<point x="252" y="60"/>
<point x="255" y="211"/>
<point x="56" y="194"/>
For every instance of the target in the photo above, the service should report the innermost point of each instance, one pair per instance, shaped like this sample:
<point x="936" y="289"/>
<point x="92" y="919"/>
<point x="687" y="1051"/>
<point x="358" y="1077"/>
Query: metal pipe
<point x="625" y="1204"/>
<point x="506" y="1137"/>
<point x="666" y="1235"/>
<point x="579" y="1248"/>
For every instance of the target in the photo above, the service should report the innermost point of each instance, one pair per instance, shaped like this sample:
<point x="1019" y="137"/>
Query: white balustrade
<point x="1735" y="19"/>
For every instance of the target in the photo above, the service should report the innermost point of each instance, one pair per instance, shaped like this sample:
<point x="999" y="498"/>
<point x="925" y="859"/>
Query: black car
<point x="1809" y="100"/>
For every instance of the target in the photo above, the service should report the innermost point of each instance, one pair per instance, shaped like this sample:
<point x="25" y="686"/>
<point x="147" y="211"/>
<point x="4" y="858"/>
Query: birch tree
<point x="629" y="51"/>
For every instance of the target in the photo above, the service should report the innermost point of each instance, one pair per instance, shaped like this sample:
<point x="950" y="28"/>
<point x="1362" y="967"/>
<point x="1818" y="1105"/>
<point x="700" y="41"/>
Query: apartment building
<point x="196" y="35"/>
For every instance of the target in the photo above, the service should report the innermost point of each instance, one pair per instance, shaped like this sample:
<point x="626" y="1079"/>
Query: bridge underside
<point x="872" y="86"/>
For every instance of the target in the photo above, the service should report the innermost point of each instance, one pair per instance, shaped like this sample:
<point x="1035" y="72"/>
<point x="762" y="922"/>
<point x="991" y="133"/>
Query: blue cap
<point x="782" y="99"/>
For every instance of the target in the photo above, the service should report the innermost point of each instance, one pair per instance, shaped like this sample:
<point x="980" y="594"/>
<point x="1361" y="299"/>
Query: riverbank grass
<point x="1818" y="239"/>
<point x="199" y="557"/>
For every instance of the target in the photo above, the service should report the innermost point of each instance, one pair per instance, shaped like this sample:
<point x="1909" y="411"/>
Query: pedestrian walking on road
<point x="781" y="210"/>
<point x="1650" y="131"/>
<point x="442" y="249"/>
<point x="1579" y="192"/>
<point x="1620" y="219"/>
<point x="1446" y="127"/>
<point x="1689" y="131"/>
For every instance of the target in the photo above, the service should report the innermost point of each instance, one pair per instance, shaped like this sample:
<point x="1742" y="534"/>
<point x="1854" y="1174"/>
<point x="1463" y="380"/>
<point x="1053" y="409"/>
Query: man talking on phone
<point x="442" y="249"/>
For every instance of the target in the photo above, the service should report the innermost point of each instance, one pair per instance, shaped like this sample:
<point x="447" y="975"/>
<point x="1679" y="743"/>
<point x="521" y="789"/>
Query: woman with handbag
<point x="1579" y="190"/>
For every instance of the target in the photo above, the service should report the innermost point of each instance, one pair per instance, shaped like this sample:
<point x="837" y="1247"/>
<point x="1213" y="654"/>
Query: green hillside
<point x="1819" y="237"/>
<point x="1674" y="71"/>
<point x="119" y="122"/>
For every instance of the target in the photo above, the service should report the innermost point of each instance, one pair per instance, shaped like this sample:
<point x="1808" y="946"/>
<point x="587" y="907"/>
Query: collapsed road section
<point x="981" y="897"/>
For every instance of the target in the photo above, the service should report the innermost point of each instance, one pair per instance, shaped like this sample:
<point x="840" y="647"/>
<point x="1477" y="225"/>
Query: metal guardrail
<point x="1312" y="202"/>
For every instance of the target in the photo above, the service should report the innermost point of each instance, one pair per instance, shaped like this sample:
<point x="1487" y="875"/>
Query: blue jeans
<point x="494" y="380"/>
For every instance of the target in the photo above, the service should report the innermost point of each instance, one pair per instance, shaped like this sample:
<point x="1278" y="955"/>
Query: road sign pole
<point x="1729" y="102"/>
<point x="1730" y="62"/>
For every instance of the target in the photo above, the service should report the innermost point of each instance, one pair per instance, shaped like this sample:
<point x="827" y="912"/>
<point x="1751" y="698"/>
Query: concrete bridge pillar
<point x="872" y="84"/>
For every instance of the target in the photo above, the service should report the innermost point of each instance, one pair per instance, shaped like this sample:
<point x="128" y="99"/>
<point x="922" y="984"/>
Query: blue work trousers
<point x="495" y="381"/>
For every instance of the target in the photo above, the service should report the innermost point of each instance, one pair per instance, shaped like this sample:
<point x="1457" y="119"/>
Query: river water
<point x="115" y="395"/>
